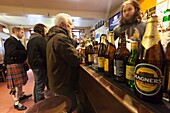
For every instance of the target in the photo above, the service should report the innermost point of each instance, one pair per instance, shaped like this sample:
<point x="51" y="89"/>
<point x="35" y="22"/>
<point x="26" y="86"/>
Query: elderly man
<point x="62" y="59"/>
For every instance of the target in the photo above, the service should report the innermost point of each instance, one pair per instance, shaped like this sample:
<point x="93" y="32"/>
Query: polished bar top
<point x="125" y="95"/>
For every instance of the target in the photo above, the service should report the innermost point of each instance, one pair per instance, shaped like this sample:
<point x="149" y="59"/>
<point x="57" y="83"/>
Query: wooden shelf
<point x="107" y="96"/>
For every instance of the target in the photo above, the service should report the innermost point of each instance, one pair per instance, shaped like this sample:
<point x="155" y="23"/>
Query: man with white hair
<point x="62" y="59"/>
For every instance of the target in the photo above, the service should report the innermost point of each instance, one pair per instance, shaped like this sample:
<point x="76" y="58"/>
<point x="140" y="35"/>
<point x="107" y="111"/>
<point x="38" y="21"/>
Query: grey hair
<point x="62" y="18"/>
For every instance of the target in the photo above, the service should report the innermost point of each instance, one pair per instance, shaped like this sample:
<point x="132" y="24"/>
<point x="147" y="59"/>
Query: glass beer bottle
<point x="131" y="63"/>
<point x="109" y="55"/>
<point x="89" y="52"/>
<point x="101" y="53"/>
<point x="95" y="55"/>
<point x="167" y="71"/>
<point x="120" y="59"/>
<point x="151" y="62"/>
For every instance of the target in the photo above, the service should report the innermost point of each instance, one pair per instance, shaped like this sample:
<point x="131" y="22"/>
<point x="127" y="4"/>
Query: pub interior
<point x="110" y="80"/>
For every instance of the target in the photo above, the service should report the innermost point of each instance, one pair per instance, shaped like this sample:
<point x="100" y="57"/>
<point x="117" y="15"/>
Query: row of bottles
<point x="144" y="68"/>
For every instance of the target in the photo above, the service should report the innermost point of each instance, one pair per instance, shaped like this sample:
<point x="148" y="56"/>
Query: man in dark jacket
<point x="62" y="59"/>
<point x="36" y="48"/>
<point x="15" y="56"/>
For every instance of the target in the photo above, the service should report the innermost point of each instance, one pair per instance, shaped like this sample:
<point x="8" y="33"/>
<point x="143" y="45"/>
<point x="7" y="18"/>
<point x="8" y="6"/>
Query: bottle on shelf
<point x="89" y="52"/>
<point x="131" y="63"/>
<point x="95" y="55"/>
<point x="120" y="59"/>
<point x="166" y="85"/>
<point x="101" y="52"/>
<point x="109" y="55"/>
<point x="86" y="50"/>
<point x="149" y="70"/>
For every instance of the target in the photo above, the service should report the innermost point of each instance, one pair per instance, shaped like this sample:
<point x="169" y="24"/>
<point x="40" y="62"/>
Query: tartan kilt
<point x="16" y="75"/>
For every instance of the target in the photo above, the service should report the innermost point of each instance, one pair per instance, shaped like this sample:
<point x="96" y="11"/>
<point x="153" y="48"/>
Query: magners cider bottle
<point x="151" y="62"/>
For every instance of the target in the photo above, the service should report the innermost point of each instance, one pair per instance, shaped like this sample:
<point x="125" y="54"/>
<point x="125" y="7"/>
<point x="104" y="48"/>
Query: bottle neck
<point x="134" y="52"/>
<point x="122" y="42"/>
<point x="151" y="36"/>
<point x="103" y="41"/>
<point x="88" y="43"/>
<point x="111" y="39"/>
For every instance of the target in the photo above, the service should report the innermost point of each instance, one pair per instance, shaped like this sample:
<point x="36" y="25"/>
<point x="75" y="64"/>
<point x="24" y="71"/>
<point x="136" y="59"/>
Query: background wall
<point x="147" y="4"/>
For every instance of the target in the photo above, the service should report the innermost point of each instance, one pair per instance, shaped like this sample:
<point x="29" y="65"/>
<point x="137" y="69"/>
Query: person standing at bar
<point x="36" y="48"/>
<point x="130" y="22"/>
<point x="75" y="43"/>
<point x="63" y="59"/>
<point x="15" y="56"/>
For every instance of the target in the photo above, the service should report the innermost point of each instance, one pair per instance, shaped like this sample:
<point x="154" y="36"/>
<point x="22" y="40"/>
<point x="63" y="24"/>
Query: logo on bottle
<point x="148" y="79"/>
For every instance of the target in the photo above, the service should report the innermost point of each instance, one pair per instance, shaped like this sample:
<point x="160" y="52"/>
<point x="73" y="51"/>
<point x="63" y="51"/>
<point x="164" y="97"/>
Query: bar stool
<point x="56" y="104"/>
<point x="2" y="76"/>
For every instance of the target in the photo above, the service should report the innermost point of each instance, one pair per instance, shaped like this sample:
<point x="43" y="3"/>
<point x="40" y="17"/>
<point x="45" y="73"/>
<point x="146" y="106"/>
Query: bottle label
<point x="130" y="72"/>
<point x="118" y="68"/>
<point x="148" y="79"/>
<point x="106" y="64"/>
<point x="101" y="62"/>
<point x="90" y="58"/>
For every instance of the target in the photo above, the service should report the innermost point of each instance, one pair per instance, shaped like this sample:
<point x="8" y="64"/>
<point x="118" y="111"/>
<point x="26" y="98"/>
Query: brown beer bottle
<point x="109" y="55"/>
<point x="150" y="67"/>
<point x="120" y="59"/>
<point x="102" y="51"/>
<point x="86" y="50"/>
<point x="89" y="52"/>
<point x="95" y="55"/>
<point x="167" y="71"/>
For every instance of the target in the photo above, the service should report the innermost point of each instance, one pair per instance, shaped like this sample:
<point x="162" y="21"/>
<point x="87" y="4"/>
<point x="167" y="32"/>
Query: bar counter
<point x="101" y="94"/>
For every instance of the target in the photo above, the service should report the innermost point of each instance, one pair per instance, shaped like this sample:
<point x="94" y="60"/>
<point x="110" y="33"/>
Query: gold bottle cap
<point x="103" y="39"/>
<point x="111" y="38"/>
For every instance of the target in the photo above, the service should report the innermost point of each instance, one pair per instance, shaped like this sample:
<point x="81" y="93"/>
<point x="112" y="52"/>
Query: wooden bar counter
<point x="101" y="94"/>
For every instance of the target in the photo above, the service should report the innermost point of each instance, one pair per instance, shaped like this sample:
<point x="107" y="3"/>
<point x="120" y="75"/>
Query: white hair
<point x="62" y="18"/>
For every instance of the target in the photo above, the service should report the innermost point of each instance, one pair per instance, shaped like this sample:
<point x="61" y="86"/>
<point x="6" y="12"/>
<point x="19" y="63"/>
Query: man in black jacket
<point x="36" y="48"/>
<point x="15" y="56"/>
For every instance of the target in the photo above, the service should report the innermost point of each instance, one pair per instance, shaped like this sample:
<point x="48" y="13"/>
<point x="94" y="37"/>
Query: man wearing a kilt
<point x="15" y="56"/>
